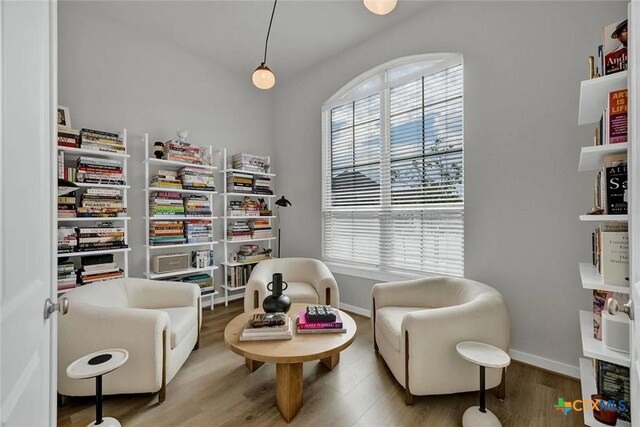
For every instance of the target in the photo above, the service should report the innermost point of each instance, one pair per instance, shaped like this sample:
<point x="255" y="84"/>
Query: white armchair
<point x="418" y="323"/>
<point x="309" y="280"/>
<point x="157" y="322"/>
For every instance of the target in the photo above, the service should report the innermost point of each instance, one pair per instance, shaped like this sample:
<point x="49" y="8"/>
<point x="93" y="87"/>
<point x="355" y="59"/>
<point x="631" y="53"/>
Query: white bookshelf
<point x="121" y="255"/>
<point x="231" y="245"/>
<point x="594" y="94"/>
<point x="591" y="279"/>
<point x="592" y="158"/>
<point x="588" y="388"/>
<point x="604" y="218"/>
<point x="592" y="347"/>
<point x="152" y="165"/>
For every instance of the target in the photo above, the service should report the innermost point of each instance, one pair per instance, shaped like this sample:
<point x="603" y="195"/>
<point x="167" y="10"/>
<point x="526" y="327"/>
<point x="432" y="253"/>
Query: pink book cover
<point x="303" y="324"/>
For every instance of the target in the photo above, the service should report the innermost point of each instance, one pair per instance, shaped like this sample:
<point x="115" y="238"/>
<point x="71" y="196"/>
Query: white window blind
<point x="393" y="168"/>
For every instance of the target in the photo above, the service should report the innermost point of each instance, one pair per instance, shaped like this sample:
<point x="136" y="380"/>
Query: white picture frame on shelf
<point x="64" y="117"/>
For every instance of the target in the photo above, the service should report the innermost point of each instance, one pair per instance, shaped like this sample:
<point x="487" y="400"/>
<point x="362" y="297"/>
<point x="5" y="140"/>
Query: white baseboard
<point x="520" y="356"/>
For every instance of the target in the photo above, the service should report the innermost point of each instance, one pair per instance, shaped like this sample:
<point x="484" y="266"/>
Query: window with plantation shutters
<point x="393" y="194"/>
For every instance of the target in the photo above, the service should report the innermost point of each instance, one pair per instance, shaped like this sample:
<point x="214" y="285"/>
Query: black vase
<point x="276" y="302"/>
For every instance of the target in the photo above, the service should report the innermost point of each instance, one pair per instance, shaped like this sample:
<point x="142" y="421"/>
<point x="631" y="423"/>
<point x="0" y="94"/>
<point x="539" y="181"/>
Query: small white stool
<point x="95" y="365"/>
<point x="485" y="356"/>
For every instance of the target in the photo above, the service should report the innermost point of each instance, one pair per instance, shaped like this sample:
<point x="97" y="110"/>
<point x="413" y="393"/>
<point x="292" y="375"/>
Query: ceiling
<point x="232" y="33"/>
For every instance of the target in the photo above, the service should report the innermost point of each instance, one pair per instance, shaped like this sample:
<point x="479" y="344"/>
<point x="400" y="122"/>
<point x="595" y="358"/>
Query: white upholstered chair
<point x="157" y="322"/>
<point x="309" y="280"/>
<point x="418" y="323"/>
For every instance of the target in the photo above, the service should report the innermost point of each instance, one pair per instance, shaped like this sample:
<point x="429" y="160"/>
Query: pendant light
<point x="263" y="77"/>
<point x="380" y="7"/>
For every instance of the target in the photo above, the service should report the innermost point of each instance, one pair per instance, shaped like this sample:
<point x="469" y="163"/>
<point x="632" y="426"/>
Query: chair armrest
<point x="408" y="293"/>
<point x="322" y="279"/>
<point x="258" y="281"/>
<point x="162" y="294"/>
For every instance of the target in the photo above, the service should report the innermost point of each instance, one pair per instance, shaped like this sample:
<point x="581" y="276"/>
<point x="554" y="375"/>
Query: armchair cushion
<point x="301" y="292"/>
<point x="389" y="323"/>
<point x="182" y="321"/>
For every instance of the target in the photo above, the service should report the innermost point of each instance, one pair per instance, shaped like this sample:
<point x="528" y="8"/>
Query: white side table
<point x="95" y="365"/>
<point x="485" y="356"/>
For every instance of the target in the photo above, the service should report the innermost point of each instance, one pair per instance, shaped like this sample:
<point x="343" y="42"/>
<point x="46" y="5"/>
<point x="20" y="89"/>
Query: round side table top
<point x="483" y="354"/>
<point x="302" y="348"/>
<point x="98" y="363"/>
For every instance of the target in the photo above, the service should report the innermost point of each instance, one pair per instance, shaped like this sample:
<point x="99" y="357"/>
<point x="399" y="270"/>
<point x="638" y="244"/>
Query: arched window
<point x="393" y="170"/>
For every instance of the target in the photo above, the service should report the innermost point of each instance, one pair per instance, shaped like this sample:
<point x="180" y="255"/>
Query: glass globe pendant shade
<point x="380" y="7"/>
<point x="263" y="77"/>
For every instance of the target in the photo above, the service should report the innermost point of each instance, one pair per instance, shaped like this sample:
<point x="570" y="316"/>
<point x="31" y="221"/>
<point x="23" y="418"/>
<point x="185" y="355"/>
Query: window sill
<point x="373" y="274"/>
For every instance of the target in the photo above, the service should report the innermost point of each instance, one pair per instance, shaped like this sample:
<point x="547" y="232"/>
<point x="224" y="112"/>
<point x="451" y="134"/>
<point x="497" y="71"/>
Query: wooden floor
<point x="214" y="388"/>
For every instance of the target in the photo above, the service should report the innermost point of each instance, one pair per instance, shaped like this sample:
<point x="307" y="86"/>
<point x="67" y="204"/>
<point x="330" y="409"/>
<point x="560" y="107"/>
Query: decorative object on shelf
<point x="158" y="149"/>
<point x="281" y="202"/>
<point x="277" y="302"/>
<point x="64" y="118"/>
<point x="266" y="168"/>
<point x="380" y="7"/>
<point x="605" y="416"/>
<point x="263" y="77"/>
<point x="592" y="67"/>
<point x="182" y="136"/>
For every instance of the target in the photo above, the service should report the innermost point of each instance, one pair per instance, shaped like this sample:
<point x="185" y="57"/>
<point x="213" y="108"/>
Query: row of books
<point x="68" y="137"/>
<point x="252" y="254"/>
<point x="86" y="239"/>
<point x="172" y="203"/>
<point x="180" y="232"/>
<point x="91" y="139"/>
<point x="182" y="152"/>
<point x="612" y="54"/>
<point x="99" y="170"/>
<point x="238" y="182"/>
<point x="249" y="229"/>
<point x="610" y="187"/>
<point x="279" y="326"/>
<point x="249" y="162"/>
<point x="204" y="280"/>
<point x="92" y="269"/>
<point x="248" y="207"/>
<point x="610" y="253"/>
<point x="613" y="383"/>
<point x="238" y="276"/>
<point x="612" y="128"/>
<point x="188" y="177"/>
<point x="66" y="275"/>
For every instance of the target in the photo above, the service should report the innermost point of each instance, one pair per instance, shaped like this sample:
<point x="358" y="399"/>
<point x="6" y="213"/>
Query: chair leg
<point x="162" y="394"/>
<point x="501" y="390"/>
<point x="373" y="311"/>
<point x="197" y="346"/>
<point x="408" y="397"/>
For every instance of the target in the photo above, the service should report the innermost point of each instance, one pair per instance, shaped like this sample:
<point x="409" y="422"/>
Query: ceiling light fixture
<point x="263" y="77"/>
<point x="380" y="7"/>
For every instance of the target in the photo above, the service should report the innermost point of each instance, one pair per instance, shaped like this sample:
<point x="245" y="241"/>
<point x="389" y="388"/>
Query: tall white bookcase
<point x="230" y="245"/>
<point x="152" y="164"/>
<point x="594" y="95"/>
<point x="120" y="255"/>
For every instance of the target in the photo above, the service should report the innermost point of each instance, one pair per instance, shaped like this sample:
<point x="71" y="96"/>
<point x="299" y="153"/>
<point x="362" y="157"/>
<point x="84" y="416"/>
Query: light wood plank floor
<point x="214" y="388"/>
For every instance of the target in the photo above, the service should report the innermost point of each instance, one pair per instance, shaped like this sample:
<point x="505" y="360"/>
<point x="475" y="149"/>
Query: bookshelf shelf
<point x="181" y="272"/>
<point x="74" y="153"/>
<point x="594" y="94"/>
<point x="591" y="347"/>
<point x="604" y="218"/>
<point x="89" y="219"/>
<point x="151" y="166"/>
<point x="588" y="387"/>
<point x="233" y="270"/>
<point x="181" y="191"/>
<point x="591" y="279"/>
<point x="81" y="254"/>
<point x="163" y="162"/>
<point x="88" y="185"/>
<point x="592" y="158"/>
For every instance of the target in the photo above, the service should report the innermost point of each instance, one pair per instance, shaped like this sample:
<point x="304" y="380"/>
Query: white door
<point x="27" y="97"/>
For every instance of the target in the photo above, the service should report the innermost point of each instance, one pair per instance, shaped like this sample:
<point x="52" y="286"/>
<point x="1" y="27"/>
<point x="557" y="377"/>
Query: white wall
<point x="113" y="77"/>
<point x="523" y="64"/>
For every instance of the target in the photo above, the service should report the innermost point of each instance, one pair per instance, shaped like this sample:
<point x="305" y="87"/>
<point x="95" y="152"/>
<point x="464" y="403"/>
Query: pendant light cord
<point x="266" y="43"/>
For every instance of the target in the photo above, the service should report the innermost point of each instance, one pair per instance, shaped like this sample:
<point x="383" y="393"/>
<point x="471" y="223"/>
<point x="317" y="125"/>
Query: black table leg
<point x="482" y="391"/>
<point x="99" y="399"/>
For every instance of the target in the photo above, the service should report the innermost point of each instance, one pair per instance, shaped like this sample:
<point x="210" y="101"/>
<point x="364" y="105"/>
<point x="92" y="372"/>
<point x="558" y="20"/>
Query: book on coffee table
<point x="263" y="333"/>
<point x="306" y="327"/>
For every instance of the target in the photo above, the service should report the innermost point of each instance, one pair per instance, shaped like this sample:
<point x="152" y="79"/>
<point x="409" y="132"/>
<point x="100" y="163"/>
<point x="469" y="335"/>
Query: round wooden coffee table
<point x="288" y="355"/>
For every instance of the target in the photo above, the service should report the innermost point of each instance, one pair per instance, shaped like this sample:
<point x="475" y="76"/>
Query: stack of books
<point x="66" y="275"/>
<point x="68" y="137"/>
<point x="67" y="239"/>
<point x="196" y="179"/>
<point x="165" y="203"/>
<point x="320" y="319"/>
<point x="252" y="254"/>
<point x="248" y="207"/>
<point x="166" y="179"/>
<point x="101" y="203"/>
<point x="204" y="280"/>
<point x="249" y="162"/>
<point x="239" y="183"/>
<point x="67" y="206"/>
<point x="182" y="152"/>
<point x="101" y="141"/>
<point x="198" y="230"/>
<point x="267" y="326"/>
<point x="260" y="228"/>
<point x="262" y="185"/>
<point x="97" y="269"/>
<point x="100" y="171"/>
<point x="166" y="233"/>
<point x="100" y="238"/>
<point x="197" y="206"/>
<point x="238" y="230"/>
